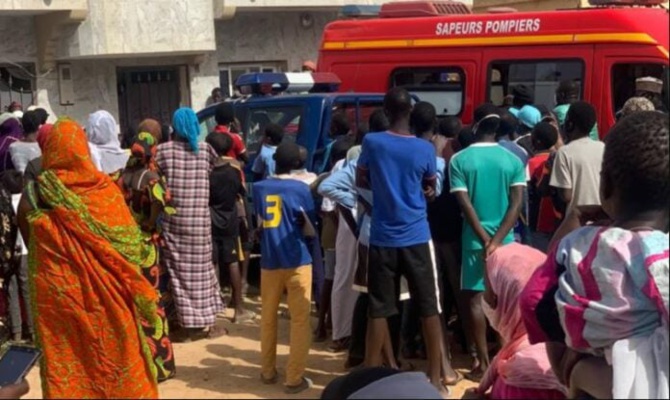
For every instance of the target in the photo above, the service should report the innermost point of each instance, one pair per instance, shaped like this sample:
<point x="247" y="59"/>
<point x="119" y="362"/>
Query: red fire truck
<point x="457" y="60"/>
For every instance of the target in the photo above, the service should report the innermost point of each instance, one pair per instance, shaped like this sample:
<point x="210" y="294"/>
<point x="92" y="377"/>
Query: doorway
<point x="150" y="92"/>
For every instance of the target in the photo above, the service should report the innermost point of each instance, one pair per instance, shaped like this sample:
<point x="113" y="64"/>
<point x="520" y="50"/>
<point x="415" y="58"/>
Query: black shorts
<point x="416" y="264"/>
<point x="226" y="250"/>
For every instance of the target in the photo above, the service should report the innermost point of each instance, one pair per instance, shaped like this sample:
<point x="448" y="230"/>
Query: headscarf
<point x="89" y="238"/>
<point x="153" y="127"/>
<point x="636" y="104"/>
<point x="42" y="135"/>
<point x="186" y="126"/>
<point x="104" y="140"/>
<point x="518" y="363"/>
<point x="10" y="132"/>
<point x="143" y="151"/>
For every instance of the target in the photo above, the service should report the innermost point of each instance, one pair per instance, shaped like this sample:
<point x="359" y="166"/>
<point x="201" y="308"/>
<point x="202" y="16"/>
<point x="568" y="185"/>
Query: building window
<point x="228" y="73"/>
<point x="443" y="87"/>
<point x="16" y="84"/>
<point x="542" y="77"/>
<point x="623" y="81"/>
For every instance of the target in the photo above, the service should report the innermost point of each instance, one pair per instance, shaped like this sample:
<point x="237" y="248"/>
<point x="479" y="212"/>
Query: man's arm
<point x="511" y="216"/>
<point x="429" y="183"/>
<point x="362" y="167"/>
<point x="339" y="186"/>
<point x="363" y="178"/>
<point x="561" y="179"/>
<point x="459" y="188"/>
<point x="565" y="195"/>
<point x="471" y="216"/>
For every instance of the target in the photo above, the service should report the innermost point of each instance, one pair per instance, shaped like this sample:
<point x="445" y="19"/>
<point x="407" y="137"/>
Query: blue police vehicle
<point x="302" y="103"/>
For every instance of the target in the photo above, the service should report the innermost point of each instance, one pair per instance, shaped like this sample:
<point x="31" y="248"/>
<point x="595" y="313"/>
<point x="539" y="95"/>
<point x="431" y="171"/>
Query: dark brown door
<point x="146" y="93"/>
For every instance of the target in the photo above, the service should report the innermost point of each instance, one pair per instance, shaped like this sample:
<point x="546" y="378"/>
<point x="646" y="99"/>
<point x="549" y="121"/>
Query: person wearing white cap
<point x="652" y="89"/>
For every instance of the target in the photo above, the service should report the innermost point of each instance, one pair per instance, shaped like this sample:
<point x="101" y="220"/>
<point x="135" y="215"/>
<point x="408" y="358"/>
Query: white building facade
<point x="139" y="59"/>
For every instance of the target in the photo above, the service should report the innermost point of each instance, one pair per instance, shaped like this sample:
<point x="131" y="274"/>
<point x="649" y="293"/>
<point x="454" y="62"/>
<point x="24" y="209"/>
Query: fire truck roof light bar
<point x="289" y="82"/>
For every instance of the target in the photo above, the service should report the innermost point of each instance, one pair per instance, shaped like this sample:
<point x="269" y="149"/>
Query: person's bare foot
<point x="452" y="380"/>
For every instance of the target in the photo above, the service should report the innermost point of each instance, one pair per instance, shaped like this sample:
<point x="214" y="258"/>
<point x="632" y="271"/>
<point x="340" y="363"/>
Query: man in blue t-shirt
<point x="401" y="171"/>
<point x="286" y="214"/>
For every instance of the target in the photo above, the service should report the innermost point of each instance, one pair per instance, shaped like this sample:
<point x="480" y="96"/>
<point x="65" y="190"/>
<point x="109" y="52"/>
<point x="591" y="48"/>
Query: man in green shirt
<point x="488" y="181"/>
<point x="567" y="93"/>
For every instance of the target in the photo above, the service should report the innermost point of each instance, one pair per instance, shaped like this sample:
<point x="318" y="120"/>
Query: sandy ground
<point x="229" y="367"/>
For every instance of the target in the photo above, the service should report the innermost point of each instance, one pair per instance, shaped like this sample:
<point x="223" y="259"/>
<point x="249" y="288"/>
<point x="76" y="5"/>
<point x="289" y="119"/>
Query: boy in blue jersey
<point x="264" y="164"/>
<point x="488" y="182"/>
<point x="401" y="171"/>
<point x="285" y="209"/>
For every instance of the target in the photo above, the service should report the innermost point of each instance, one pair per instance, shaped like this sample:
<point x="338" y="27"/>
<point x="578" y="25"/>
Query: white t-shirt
<point x="22" y="153"/>
<point x="577" y="167"/>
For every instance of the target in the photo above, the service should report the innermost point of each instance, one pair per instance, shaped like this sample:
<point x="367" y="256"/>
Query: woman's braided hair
<point x="637" y="161"/>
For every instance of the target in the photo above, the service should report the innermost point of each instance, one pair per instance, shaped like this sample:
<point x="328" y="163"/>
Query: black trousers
<point x="359" y="329"/>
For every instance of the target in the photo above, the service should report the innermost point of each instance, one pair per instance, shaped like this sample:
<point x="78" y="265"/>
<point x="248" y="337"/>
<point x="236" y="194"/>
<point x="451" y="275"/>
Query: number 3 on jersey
<point x="273" y="211"/>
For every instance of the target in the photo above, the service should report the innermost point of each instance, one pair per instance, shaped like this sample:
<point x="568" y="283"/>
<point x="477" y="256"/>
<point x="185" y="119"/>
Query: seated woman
<point x="520" y="370"/>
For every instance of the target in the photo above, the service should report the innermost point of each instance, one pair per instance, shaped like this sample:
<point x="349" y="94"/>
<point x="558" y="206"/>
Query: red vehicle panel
<point x="479" y="57"/>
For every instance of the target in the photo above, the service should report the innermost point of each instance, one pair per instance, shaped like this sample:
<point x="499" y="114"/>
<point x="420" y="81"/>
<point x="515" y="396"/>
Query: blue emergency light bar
<point x="360" y="11"/>
<point x="267" y="83"/>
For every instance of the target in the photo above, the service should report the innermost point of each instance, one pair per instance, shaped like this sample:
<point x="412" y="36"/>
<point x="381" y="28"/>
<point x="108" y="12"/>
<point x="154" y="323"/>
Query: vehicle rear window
<point x="289" y="117"/>
<point x="444" y="87"/>
<point x="542" y="77"/>
<point x="623" y="81"/>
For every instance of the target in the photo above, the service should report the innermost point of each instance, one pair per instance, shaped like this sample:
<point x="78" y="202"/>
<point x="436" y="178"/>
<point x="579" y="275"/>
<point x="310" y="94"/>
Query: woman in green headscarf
<point x="148" y="199"/>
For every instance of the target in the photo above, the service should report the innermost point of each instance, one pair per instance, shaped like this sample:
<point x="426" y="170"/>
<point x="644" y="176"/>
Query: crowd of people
<point x="540" y="248"/>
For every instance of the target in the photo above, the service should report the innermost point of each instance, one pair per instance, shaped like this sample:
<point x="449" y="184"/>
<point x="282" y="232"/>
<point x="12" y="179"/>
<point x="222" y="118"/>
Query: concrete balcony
<point x="37" y="7"/>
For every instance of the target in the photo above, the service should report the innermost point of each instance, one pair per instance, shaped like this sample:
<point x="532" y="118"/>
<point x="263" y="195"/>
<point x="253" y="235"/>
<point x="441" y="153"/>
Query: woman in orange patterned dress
<point x="88" y="293"/>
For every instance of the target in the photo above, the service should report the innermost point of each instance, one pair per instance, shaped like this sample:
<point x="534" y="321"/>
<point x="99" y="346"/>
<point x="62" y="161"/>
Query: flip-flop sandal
<point x="304" y="385"/>
<point x="248" y="316"/>
<point x="474" y="376"/>
<point x="216" y="331"/>
<point x="213" y="332"/>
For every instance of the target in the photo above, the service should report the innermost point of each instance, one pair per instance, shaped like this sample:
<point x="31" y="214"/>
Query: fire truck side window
<point x="623" y="81"/>
<point x="542" y="77"/>
<point x="444" y="87"/>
